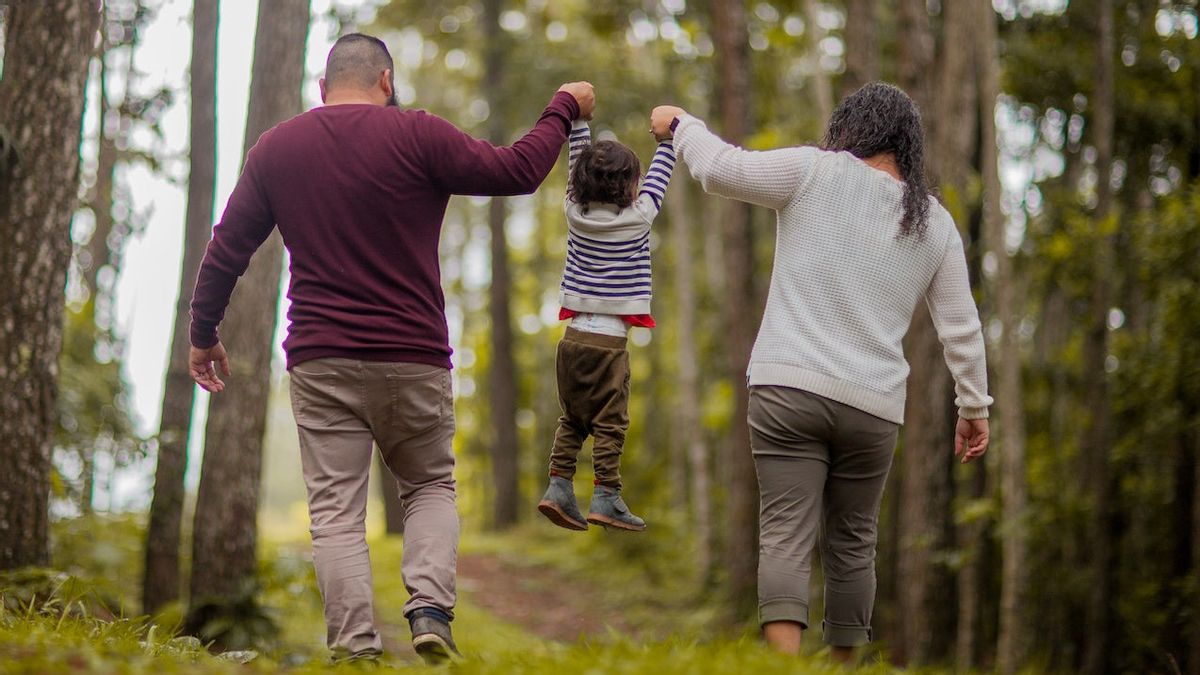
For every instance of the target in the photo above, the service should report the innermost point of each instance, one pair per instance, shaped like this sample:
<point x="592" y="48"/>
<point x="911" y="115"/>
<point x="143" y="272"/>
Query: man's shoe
<point x="609" y="510"/>
<point x="432" y="640"/>
<point x="559" y="504"/>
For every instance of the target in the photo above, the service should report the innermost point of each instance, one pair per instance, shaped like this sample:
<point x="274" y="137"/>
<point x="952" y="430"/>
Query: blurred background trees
<point x="1064" y="137"/>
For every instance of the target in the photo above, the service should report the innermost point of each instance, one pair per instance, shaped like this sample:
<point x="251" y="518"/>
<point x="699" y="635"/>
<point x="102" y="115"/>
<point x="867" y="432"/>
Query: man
<point x="358" y="189"/>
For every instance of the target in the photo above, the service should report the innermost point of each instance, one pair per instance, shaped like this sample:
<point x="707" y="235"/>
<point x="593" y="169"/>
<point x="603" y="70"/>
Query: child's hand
<point x="584" y="95"/>
<point x="661" y="118"/>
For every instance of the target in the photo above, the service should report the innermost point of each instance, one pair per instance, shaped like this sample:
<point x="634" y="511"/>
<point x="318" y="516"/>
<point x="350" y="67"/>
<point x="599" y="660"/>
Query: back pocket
<point x="419" y="400"/>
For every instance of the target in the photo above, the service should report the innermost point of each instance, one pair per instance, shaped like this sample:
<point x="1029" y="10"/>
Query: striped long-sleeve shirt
<point x="608" y="247"/>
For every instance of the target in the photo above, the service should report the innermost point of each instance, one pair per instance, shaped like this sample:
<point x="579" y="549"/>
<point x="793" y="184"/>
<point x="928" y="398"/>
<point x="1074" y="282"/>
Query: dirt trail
<point x="541" y="599"/>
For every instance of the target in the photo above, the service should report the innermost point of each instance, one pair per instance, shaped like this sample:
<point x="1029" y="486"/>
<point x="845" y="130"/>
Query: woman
<point x="860" y="243"/>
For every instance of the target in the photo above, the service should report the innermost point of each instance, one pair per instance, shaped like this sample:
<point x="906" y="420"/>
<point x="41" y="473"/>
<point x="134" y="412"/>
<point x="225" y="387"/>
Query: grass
<point x="77" y="622"/>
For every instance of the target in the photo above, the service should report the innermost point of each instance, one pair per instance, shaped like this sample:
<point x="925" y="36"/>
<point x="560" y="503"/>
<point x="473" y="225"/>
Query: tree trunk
<point x="740" y="306"/>
<point x="1098" y="438"/>
<point x="956" y="136"/>
<point x="1194" y="640"/>
<point x="923" y="481"/>
<point x="502" y="372"/>
<point x="1009" y="442"/>
<point x="393" y="506"/>
<point x="691" y="436"/>
<point x="225" y="527"/>
<point x="160" y="581"/>
<point x="822" y="88"/>
<point x="102" y="195"/>
<point x="862" y="49"/>
<point x="46" y="52"/>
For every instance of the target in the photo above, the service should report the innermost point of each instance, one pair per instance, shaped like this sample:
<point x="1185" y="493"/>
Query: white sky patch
<point x="148" y="287"/>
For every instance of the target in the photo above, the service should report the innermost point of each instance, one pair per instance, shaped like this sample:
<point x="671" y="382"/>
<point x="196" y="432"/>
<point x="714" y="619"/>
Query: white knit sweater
<point x="845" y="283"/>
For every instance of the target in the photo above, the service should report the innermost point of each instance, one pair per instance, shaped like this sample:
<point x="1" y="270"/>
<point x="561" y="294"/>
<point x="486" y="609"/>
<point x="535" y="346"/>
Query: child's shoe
<point x="559" y="505"/>
<point x="609" y="510"/>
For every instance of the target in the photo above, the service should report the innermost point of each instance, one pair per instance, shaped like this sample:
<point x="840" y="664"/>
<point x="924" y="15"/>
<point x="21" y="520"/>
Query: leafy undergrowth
<point x="42" y="643"/>
<point x="73" y="620"/>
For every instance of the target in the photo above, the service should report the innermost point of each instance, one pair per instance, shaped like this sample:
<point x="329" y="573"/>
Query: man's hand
<point x="584" y="95"/>
<point x="201" y="364"/>
<point x="661" y="118"/>
<point x="970" y="439"/>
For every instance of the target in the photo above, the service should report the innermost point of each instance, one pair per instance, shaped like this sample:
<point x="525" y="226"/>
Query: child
<point x="605" y="289"/>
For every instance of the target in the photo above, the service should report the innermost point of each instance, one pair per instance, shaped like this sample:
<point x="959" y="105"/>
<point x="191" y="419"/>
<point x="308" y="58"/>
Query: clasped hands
<point x="660" y="118"/>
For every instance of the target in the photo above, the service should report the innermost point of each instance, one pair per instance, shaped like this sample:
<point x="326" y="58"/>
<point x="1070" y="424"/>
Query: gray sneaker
<point x="432" y="640"/>
<point x="609" y="510"/>
<point x="559" y="504"/>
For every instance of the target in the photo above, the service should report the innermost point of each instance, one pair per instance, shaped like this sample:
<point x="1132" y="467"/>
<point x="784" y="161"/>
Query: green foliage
<point x="93" y="407"/>
<point x="54" y="634"/>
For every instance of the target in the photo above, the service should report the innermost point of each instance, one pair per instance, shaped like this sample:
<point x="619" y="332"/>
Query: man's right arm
<point x="245" y="225"/>
<point x="461" y="164"/>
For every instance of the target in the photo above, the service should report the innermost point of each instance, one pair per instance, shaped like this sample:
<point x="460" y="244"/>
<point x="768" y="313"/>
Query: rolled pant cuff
<point x="783" y="609"/>
<point x="838" y="635"/>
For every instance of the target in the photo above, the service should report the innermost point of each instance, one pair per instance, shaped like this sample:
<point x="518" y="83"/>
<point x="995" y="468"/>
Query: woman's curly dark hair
<point x="605" y="172"/>
<point x="881" y="118"/>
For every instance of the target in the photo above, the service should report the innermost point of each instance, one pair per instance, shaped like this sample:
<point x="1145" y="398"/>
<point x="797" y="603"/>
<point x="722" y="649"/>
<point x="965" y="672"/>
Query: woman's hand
<point x="970" y="439"/>
<point x="661" y="118"/>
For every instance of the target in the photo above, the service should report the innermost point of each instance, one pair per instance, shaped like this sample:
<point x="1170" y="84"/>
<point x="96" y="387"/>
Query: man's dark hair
<point x="605" y="172"/>
<point x="356" y="60"/>
<point x="881" y="118"/>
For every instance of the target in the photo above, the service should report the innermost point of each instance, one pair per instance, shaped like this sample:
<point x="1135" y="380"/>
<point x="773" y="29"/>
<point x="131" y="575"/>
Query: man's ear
<point x="385" y="83"/>
<point x="321" y="84"/>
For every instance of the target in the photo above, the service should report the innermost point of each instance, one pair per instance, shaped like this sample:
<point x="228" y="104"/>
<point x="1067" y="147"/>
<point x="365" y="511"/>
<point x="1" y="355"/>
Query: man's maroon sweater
<point x="358" y="192"/>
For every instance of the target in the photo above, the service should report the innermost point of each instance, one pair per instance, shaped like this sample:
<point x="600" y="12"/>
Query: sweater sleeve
<point x="769" y="178"/>
<point x="581" y="137"/>
<point x="245" y="225"/>
<point x="654" y="185"/>
<point x="956" y="320"/>
<point x="460" y="164"/>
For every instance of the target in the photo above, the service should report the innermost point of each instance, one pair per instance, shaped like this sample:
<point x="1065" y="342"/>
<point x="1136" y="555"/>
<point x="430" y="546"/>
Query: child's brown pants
<point x="593" y="391"/>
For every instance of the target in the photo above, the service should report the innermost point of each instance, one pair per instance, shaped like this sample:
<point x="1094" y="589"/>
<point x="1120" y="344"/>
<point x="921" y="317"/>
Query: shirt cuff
<point x="973" y="413"/>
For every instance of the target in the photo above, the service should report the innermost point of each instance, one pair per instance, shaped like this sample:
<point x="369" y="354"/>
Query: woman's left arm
<point x="768" y="178"/>
<point x="956" y="320"/>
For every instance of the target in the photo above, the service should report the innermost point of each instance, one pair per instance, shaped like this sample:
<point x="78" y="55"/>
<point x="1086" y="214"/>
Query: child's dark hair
<point x="605" y="172"/>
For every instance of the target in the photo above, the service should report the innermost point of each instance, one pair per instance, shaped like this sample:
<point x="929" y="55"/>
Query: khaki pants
<point x="593" y="390"/>
<point x="342" y="408"/>
<point x="821" y="466"/>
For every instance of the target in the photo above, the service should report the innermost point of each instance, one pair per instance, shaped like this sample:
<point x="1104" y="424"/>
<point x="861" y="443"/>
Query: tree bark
<point x="740" y="303"/>
<point x="502" y="372"/>
<point x="956" y="137"/>
<point x="1009" y="442"/>
<point x="862" y="48"/>
<point x="1194" y="640"/>
<point x="822" y="88"/>
<point x="688" y="403"/>
<point x="47" y="48"/>
<point x="160" y="581"/>
<point x="1098" y="438"/>
<point x="225" y="531"/>
<point x="102" y="194"/>
<point x="923" y="479"/>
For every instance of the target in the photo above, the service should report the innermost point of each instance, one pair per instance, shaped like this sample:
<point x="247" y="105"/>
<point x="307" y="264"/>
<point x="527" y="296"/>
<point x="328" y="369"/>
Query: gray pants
<point x="821" y="466"/>
<point x="342" y="407"/>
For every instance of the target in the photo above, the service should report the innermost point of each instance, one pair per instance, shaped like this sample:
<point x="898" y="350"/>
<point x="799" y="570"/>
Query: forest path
<point x="539" y="598"/>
